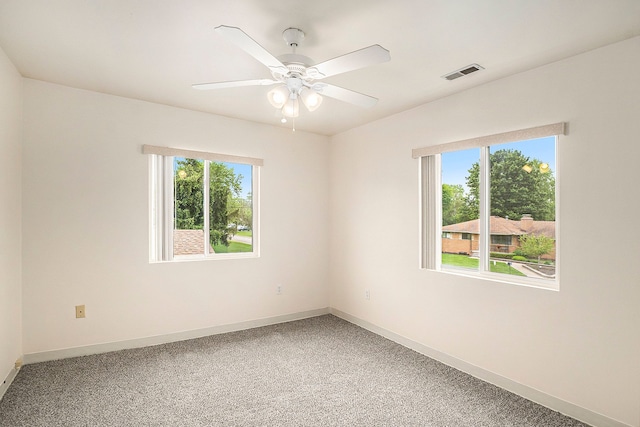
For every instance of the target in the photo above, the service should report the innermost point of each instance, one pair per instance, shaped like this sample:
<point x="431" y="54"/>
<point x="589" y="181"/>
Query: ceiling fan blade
<point x="249" y="45"/>
<point x="371" y="55"/>
<point x="345" y="95"/>
<point x="236" y="83"/>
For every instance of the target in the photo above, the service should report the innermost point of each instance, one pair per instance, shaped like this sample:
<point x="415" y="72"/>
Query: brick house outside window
<point x="464" y="237"/>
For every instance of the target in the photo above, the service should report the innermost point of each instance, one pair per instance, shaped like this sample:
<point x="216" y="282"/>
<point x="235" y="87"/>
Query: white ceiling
<point x="154" y="50"/>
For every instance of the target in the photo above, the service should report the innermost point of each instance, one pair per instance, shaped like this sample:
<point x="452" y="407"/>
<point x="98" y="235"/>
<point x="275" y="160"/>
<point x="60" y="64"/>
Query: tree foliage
<point x="454" y="204"/>
<point x="534" y="246"/>
<point x="188" y="181"/>
<point x="240" y="212"/>
<point x="514" y="191"/>
<point x="225" y="186"/>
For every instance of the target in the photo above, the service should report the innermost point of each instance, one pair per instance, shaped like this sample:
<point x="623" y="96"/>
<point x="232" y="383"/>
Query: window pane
<point x="460" y="223"/>
<point x="188" y="215"/>
<point x="522" y="200"/>
<point x="231" y="207"/>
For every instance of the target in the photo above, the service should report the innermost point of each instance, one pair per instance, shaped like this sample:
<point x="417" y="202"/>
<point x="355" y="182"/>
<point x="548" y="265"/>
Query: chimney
<point x="526" y="222"/>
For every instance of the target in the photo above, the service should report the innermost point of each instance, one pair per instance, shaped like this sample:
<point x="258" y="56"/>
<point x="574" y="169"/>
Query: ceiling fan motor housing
<point x="295" y="63"/>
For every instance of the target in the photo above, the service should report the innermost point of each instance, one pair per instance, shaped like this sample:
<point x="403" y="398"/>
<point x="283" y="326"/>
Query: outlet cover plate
<point x="80" y="313"/>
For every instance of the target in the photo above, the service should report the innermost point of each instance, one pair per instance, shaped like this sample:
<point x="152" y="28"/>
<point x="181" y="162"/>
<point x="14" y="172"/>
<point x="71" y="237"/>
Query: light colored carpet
<point x="321" y="371"/>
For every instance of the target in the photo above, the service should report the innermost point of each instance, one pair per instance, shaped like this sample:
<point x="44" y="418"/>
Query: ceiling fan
<point x="295" y="75"/>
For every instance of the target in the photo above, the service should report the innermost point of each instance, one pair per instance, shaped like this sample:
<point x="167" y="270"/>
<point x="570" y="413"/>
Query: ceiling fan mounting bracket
<point x="293" y="36"/>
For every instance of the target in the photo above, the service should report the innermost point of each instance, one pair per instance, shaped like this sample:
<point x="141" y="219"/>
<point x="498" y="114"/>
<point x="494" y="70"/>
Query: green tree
<point x="188" y="181"/>
<point x="514" y="191"/>
<point x="246" y="212"/>
<point x="534" y="246"/>
<point x="223" y="186"/>
<point x="454" y="206"/>
<point x="240" y="211"/>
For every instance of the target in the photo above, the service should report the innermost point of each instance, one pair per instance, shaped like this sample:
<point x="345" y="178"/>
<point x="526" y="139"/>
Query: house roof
<point x="188" y="242"/>
<point x="506" y="227"/>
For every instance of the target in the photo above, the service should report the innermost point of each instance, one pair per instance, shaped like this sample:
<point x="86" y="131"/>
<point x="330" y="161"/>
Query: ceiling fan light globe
<point x="278" y="96"/>
<point x="291" y="108"/>
<point x="311" y="99"/>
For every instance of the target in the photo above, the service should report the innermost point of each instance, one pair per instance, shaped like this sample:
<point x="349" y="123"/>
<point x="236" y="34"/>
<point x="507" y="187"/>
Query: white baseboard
<point x="551" y="402"/>
<point x="163" y="339"/>
<point x="7" y="381"/>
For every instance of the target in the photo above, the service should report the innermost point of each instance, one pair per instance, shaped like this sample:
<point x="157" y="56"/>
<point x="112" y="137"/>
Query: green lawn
<point x="247" y="233"/>
<point x="472" y="263"/>
<point x="232" y="248"/>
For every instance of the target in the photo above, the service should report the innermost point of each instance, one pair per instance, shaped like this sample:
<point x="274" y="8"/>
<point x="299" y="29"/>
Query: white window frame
<point x="162" y="201"/>
<point x="430" y="166"/>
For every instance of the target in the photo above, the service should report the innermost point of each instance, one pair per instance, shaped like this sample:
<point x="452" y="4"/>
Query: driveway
<point x="527" y="271"/>
<point x="242" y="239"/>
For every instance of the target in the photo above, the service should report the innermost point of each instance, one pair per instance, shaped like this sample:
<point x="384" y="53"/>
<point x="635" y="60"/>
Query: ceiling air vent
<point x="463" y="72"/>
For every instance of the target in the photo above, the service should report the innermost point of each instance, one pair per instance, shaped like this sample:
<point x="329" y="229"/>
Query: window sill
<point x="531" y="282"/>
<point x="217" y="257"/>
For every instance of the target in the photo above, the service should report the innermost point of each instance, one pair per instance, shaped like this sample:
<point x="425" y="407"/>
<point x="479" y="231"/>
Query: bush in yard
<point x="500" y="255"/>
<point x="519" y="258"/>
<point x="534" y="246"/>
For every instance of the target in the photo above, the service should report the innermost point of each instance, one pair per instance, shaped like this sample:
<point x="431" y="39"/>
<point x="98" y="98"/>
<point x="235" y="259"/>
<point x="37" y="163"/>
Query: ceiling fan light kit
<point x="295" y="76"/>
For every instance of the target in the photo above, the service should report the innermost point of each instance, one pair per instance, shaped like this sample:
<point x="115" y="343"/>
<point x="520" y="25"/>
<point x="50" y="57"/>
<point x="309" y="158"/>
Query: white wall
<point x="10" y="216"/>
<point x="85" y="222"/>
<point x="581" y="344"/>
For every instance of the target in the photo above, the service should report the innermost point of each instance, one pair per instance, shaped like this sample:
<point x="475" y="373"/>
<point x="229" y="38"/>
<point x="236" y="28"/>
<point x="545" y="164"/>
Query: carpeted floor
<point x="321" y="371"/>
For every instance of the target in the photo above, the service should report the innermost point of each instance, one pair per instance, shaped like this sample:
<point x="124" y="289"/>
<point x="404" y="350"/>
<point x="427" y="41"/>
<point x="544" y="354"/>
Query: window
<point x="497" y="193"/>
<point x="203" y="205"/>
<point x="496" y="239"/>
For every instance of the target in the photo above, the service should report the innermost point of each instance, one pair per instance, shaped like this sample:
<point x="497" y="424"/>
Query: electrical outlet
<point x="279" y="290"/>
<point x="367" y="294"/>
<point x="80" y="313"/>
